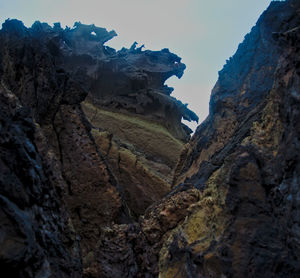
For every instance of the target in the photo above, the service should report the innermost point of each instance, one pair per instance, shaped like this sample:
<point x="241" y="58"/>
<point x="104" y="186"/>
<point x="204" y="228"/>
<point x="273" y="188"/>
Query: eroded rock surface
<point x="66" y="152"/>
<point x="244" y="159"/>
<point x="82" y="195"/>
<point x="129" y="80"/>
<point x="37" y="236"/>
<point x="91" y="176"/>
<point x="239" y="172"/>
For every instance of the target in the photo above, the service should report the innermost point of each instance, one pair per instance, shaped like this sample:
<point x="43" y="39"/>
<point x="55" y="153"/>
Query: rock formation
<point x="37" y="235"/>
<point x="245" y="161"/>
<point x="90" y="138"/>
<point x="96" y="163"/>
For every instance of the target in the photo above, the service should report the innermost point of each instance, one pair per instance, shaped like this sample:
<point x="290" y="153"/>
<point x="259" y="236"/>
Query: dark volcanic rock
<point x="80" y="52"/>
<point x="130" y="80"/>
<point x="133" y="250"/>
<point x="244" y="159"/>
<point x="57" y="188"/>
<point x="74" y="190"/>
<point x="37" y="238"/>
<point x="59" y="156"/>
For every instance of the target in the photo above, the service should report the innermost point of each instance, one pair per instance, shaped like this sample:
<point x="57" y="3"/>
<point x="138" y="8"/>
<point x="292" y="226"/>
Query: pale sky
<point x="203" y="33"/>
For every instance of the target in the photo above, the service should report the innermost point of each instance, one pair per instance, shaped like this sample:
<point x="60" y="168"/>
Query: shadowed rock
<point x="48" y="72"/>
<point x="97" y="173"/>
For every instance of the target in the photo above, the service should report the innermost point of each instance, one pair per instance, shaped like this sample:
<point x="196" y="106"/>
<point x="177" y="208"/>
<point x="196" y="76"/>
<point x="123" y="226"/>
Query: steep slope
<point x="73" y="166"/>
<point x="84" y="171"/>
<point x="37" y="235"/>
<point x="135" y="122"/>
<point x="85" y="187"/>
<point x="142" y="154"/>
<point x="244" y="159"/>
<point x="234" y="207"/>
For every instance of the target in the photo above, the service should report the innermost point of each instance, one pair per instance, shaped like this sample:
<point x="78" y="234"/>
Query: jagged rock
<point x="52" y="98"/>
<point x="133" y="250"/>
<point x="70" y="175"/>
<point x="141" y="74"/>
<point x="48" y="72"/>
<point x="52" y="69"/>
<point x="242" y="165"/>
<point x="244" y="158"/>
<point x="37" y="237"/>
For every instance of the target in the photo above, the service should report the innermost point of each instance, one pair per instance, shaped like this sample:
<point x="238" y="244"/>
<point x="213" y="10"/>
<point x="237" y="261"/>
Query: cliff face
<point x="37" y="236"/>
<point x="90" y="138"/>
<point x="88" y="165"/>
<point x="245" y="161"/>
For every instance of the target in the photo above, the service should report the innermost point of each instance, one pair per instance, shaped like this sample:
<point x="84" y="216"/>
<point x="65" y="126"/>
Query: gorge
<point x="99" y="177"/>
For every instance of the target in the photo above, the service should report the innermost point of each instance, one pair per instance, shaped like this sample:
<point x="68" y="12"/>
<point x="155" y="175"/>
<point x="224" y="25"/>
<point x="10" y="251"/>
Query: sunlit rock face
<point x="90" y="138"/>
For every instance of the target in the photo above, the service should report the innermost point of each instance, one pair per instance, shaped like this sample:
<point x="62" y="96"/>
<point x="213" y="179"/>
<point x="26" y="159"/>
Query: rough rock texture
<point x="83" y="196"/>
<point x="141" y="154"/>
<point x="81" y="175"/>
<point x="128" y="99"/>
<point x="238" y="175"/>
<point x="133" y="250"/>
<point x="245" y="160"/>
<point x="37" y="237"/>
<point x="130" y="80"/>
<point x="60" y="134"/>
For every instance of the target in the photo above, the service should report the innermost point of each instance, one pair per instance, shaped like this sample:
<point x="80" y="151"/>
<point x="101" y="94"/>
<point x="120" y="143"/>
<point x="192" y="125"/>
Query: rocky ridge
<point x="95" y="175"/>
<point x="71" y="182"/>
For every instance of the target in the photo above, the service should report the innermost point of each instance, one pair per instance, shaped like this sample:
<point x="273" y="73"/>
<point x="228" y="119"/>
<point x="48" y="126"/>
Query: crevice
<point x="60" y="152"/>
<point x="128" y="217"/>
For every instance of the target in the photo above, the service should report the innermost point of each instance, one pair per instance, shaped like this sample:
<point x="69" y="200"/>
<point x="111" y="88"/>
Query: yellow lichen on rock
<point x="266" y="133"/>
<point x="208" y="219"/>
<point x="205" y="223"/>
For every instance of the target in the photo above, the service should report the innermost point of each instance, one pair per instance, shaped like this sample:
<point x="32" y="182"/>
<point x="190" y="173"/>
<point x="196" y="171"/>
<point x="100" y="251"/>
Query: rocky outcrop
<point x="140" y="75"/>
<point x="86" y="162"/>
<point x="37" y="235"/>
<point x="141" y="154"/>
<point x="128" y="101"/>
<point x="237" y="179"/>
<point x="60" y="135"/>
<point x="244" y="160"/>
<point x="87" y="166"/>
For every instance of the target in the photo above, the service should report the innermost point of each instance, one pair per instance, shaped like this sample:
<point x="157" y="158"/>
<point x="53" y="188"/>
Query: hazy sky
<point x="203" y="32"/>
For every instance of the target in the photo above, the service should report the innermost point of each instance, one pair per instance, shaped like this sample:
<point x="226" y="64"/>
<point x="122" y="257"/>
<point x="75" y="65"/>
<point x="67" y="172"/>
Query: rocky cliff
<point x="91" y="131"/>
<point x="96" y="180"/>
<point x="244" y="160"/>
